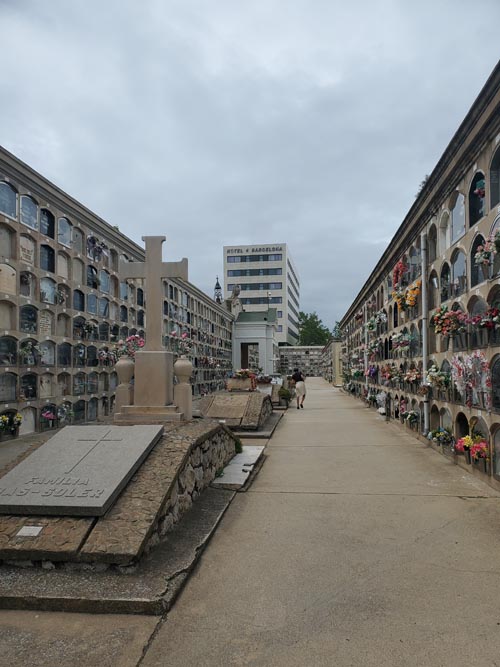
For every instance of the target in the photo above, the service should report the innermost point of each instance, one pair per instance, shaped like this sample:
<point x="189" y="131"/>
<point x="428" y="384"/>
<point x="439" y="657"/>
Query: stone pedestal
<point x="154" y="378"/>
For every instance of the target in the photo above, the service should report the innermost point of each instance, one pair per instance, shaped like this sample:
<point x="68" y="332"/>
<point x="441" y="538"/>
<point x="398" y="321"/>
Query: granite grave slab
<point x="80" y="471"/>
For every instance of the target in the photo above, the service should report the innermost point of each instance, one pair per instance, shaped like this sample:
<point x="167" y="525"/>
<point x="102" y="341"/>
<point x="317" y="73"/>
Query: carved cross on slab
<point x="97" y="442"/>
<point x="153" y="270"/>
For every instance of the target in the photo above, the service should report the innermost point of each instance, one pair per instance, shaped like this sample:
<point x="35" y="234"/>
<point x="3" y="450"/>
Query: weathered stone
<point x="187" y="479"/>
<point x="196" y="457"/>
<point x="166" y="524"/>
<point x="80" y="471"/>
<point x="185" y="502"/>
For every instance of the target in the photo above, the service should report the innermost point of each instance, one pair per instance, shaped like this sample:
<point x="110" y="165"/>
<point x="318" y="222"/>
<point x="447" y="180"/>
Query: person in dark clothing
<point x="300" y="387"/>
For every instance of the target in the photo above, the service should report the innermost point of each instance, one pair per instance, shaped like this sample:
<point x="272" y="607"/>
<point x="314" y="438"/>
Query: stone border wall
<point x="183" y="463"/>
<point x="207" y="457"/>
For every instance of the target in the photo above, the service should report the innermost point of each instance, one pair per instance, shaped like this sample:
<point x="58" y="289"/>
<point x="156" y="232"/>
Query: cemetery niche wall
<point x="421" y="341"/>
<point x="64" y="303"/>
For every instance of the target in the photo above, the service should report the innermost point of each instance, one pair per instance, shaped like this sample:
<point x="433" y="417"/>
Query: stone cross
<point x="153" y="270"/>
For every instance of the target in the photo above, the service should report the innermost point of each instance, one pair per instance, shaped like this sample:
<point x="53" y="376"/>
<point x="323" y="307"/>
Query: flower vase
<point x="183" y="369"/>
<point x="467" y="456"/>
<point x="125" y="367"/>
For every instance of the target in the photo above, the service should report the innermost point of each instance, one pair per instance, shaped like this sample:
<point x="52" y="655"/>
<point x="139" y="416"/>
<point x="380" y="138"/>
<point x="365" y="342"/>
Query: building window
<point x="8" y="351"/>
<point x="47" y="290"/>
<point x="280" y="313"/>
<point x="92" y="279"/>
<point x="459" y="273"/>
<point x="92" y="303"/>
<point x="47" y="258"/>
<point x="8" y="199"/>
<point x="64" y="231"/>
<point x="458" y="218"/>
<point x="78" y="240"/>
<point x="28" y="319"/>
<point x="104" y="278"/>
<point x="495" y="180"/>
<point x="445" y="283"/>
<point x="478" y="272"/>
<point x="78" y="300"/>
<point x="476" y="199"/>
<point x="29" y="212"/>
<point x="104" y="331"/>
<point x="103" y="308"/>
<point x="47" y="223"/>
<point x="64" y="354"/>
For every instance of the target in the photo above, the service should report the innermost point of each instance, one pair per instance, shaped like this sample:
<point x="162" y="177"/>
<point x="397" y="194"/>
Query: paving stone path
<point x="356" y="545"/>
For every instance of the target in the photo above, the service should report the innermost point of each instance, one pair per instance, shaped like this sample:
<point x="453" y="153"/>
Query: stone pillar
<point x="154" y="378"/>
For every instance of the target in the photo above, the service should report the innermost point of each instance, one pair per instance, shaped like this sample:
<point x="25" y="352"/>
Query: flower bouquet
<point x="128" y="347"/>
<point x="485" y="254"/>
<point x="413" y="375"/>
<point x="449" y="322"/>
<point x="436" y="378"/>
<point x="183" y="344"/>
<point x="463" y="445"/>
<point x="411" y="417"/>
<point x="479" y="450"/>
<point x="441" y="436"/>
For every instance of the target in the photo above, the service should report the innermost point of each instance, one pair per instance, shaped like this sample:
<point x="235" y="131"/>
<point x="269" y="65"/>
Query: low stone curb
<point x="151" y="588"/>
<point x="270" y="426"/>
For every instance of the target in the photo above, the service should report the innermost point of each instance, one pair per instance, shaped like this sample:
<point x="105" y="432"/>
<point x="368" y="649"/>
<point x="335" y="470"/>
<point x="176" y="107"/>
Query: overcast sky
<point x="310" y="122"/>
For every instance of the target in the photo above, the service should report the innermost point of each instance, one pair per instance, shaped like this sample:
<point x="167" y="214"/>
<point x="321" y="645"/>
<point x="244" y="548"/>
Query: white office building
<point x="266" y="276"/>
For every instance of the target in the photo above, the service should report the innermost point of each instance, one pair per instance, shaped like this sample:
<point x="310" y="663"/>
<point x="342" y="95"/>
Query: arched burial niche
<point x="479" y="272"/>
<point x="445" y="282"/>
<point x="495" y="179"/>
<point x="459" y="273"/>
<point x="461" y="426"/>
<point x="495" y="383"/>
<point x="434" y="418"/>
<point x="477" y="198"/>
<point x="457" y="217"/>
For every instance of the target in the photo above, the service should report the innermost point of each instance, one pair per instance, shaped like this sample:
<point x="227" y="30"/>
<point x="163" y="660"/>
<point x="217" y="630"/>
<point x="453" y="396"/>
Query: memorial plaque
<point x="228" y="406"/>
<point x="80" y="471"/>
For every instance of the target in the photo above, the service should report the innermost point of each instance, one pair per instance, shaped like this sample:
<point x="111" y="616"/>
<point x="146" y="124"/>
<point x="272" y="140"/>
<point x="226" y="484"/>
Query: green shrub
<point x="285" y="394"/>
<point x="238" y="446"/>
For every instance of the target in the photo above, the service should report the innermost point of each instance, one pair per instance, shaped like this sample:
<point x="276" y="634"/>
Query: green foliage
<point x="337" y="331"/>
<point x="238" y="447"/>
<point x="285" y="394"/>
<point x="312" y="330"/>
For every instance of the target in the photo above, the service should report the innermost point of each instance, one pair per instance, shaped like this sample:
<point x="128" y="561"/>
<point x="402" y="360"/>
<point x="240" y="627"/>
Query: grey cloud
<point x="272" y="121"/>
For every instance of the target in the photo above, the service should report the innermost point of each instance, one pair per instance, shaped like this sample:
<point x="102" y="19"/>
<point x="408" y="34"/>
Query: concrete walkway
<point x="356" y="545"/>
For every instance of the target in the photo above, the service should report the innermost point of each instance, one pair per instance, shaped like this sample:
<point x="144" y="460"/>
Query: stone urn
<point x="183" y="369"/>
<point x="125" y="367"/>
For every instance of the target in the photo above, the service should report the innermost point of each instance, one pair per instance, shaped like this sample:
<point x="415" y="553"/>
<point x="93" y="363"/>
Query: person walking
<point x="300" y="387"/>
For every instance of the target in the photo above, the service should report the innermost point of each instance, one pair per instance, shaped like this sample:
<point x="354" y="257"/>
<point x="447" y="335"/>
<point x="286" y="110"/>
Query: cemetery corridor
<point x="355" y="545"/>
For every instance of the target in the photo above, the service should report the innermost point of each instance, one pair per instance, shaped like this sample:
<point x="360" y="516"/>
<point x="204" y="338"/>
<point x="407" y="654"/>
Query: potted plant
<point x="285" y="396"/>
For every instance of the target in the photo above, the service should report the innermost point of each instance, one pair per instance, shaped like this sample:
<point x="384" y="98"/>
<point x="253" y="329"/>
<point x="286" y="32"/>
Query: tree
<point x="337" y="331"/>
<point x="312" y="331"/>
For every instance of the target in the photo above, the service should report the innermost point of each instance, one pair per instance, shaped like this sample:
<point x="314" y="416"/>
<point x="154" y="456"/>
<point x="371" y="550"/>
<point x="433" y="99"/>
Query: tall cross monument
<point x="154" y="379"/>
